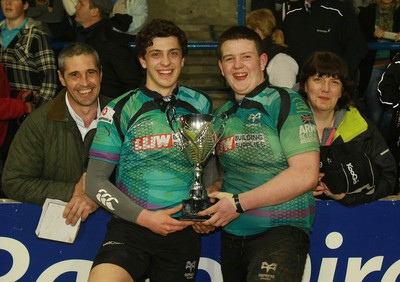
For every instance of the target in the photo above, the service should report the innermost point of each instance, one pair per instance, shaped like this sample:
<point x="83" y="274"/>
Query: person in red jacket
<point x="11" y="109"/>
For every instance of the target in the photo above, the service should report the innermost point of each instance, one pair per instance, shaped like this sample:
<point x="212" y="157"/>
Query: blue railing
<point x="192" y="45"/>
<point x="213" y="45"/>
<point x="384" y="46"/>
<point x="241" y="12"/>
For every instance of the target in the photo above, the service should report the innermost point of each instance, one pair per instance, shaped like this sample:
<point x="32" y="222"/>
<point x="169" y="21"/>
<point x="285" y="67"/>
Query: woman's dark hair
<point x="329" y="64"/>
<point x="237" y="33"/>
<point x="159" y="28"/>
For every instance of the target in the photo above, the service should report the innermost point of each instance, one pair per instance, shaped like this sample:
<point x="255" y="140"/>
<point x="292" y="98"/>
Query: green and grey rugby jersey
<point x="252" y="151"/>
<point x="133" y="133"/>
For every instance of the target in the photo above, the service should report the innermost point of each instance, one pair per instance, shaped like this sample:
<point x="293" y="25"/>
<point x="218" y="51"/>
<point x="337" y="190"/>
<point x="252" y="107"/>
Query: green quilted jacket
<point x="47" y="156"/>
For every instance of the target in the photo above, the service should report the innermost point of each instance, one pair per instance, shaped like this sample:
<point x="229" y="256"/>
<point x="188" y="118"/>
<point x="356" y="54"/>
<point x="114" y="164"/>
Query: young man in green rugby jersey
<point x="144" y="240"/>
<point x="269" y="154"/>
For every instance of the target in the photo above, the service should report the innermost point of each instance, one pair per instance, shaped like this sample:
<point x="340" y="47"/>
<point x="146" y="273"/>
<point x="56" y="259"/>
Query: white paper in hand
<point x="52" y="224"/>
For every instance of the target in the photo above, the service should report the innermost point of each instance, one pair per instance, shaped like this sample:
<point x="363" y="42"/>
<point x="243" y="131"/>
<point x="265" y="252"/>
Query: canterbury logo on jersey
<point x="153" y="142"/>
<point x="106" y="199"/>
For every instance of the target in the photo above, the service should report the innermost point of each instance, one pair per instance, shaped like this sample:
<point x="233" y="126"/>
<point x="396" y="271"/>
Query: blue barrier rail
<point x="241" y="10"/>
<point x="384" y="46"/>
<point x="212" y="45"/>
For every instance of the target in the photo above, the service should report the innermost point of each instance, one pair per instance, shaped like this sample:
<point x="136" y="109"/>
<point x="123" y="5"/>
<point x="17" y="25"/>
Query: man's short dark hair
<point x="76" y="49"/>
<point x="159" y="28"/>
<point x="237" y="33"/>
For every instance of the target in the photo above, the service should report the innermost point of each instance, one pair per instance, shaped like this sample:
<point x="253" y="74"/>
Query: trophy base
<point x="191" y="207"/>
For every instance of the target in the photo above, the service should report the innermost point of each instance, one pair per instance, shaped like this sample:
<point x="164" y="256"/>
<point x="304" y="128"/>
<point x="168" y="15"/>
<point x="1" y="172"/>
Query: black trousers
<point x="279" y="254"/>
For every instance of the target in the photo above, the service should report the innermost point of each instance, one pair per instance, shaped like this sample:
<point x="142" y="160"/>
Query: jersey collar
<point x="155" y="94"/>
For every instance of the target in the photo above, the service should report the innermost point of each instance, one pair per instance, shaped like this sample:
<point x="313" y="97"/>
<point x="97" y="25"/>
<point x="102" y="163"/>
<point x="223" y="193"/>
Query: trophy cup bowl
<point x="197" y="140"/>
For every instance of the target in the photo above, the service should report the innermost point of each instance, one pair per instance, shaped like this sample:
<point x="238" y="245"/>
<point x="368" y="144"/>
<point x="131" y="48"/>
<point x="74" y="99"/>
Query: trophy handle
<point x="169" y="119"/>
<point x="223" y="118"/>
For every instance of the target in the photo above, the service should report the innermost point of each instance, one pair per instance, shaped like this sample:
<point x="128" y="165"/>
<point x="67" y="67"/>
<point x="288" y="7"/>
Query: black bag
<point x="347" y="169"/>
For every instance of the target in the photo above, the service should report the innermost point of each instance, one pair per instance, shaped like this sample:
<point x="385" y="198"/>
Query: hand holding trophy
<point x="197" y="139"/>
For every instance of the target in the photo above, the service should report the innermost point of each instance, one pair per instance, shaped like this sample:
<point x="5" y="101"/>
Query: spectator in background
<point x="49" y="154"/>
<point x="10" y="109"/>
<point x="129" y="16"/>
<point x="389" y="84"/>
<point x="56" y="22"/>
<point x="351" y="146"/>
<point x="389" y="96"/>
<point x="28" y="60"/>
<point x="377" y="21"/>
<point x="279" y="8"/>
<point x="120" y="67"/>
<point x="26" y="53"/>
<point x="281" y="69"/>
<point x="325" y="25"/>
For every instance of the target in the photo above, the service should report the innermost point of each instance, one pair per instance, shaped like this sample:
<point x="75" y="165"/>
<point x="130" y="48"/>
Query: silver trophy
<point x="197" y="139"/>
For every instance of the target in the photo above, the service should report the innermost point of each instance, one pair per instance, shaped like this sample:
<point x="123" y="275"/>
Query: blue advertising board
<point x="355" y="244"/>
<point x="347" y="244"/>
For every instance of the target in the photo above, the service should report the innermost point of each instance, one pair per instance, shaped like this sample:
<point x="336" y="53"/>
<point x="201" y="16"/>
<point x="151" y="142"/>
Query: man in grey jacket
<point x="49" y="153"/>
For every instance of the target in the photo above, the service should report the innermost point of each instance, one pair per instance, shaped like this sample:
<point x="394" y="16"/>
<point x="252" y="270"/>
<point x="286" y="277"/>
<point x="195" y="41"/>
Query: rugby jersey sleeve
<point x="107" y="142"/>
<point x="299" y="133"/>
